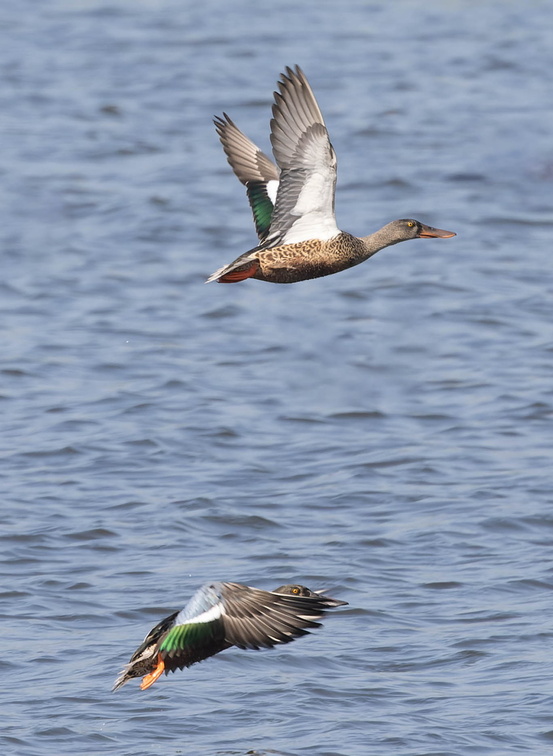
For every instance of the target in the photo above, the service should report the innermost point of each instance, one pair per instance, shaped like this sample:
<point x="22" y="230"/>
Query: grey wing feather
<point x="253" y="169"/>
<point x="260" y="619"/>
<point x="247" y="161"/>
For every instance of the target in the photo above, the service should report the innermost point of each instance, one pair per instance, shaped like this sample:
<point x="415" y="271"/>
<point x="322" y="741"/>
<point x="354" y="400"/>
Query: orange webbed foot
<point x="150" y="678"/>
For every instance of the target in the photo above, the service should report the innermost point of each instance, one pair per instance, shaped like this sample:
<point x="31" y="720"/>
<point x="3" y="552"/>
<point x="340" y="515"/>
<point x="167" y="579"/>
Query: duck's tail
<point x="149" y="665"/>
<point x="243" y="267"/>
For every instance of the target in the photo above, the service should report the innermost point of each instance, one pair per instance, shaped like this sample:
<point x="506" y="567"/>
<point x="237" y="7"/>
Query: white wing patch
<point x="272" y="189"/>
<point x="312" y="226"/>
<point x="212" y="614"/>
<point x="312" y="208"/>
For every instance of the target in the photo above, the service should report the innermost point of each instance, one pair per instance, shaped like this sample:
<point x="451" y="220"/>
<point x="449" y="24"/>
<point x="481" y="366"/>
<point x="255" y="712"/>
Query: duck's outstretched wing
<point x="254" y="169"/>
<point x="262" y="619"/>
<point x="304" y="207"/>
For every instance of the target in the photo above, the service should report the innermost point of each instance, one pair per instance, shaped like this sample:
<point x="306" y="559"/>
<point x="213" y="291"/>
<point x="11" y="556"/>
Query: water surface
<point x="384" y="433"/>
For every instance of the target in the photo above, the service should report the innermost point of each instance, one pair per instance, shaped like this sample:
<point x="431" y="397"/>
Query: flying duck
<point x="221" y="615"/>
<point x="293" y="204"/>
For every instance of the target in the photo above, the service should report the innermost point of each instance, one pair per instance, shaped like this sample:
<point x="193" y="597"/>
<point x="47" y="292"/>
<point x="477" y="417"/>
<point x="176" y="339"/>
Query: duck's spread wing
<point x="304" y="206"/>
<point x="260" y="619"/>
<point x="254" y="169"/>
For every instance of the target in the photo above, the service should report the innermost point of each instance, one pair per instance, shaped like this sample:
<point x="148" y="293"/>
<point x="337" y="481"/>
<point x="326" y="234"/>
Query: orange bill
<point x="427" y="232"/>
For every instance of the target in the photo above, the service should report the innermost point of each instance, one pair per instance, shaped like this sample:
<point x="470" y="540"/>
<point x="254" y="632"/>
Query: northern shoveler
<point x="293" y="205"/>
<point x="221" y="615"/>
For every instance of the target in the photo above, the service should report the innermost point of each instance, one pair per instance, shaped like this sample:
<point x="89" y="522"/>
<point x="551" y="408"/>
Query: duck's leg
<point x="150" y="678"/>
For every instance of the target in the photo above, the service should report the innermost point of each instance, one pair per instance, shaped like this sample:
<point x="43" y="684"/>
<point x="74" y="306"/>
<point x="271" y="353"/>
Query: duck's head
<point x="296" y="590"/>
<point x="409" y="228"/>
<point x="301" y="590"/>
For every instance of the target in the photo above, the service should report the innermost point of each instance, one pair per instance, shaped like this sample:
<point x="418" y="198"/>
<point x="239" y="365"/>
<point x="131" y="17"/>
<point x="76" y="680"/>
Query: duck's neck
<point x="384" y="237"/>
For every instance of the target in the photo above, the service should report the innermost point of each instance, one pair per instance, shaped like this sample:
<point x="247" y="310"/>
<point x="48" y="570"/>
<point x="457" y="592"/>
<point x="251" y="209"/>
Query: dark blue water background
<point x="385" y="433"/>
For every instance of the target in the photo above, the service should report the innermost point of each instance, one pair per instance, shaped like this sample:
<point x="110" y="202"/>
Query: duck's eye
<point x="410" y="224"/>
<point x="295" y="590"/>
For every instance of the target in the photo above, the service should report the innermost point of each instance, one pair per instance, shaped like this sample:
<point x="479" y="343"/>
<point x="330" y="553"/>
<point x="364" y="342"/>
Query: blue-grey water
<point x="385" y="433"/>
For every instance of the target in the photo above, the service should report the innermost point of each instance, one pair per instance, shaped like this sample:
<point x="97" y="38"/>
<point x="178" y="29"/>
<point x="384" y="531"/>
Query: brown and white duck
<point x="293" y="205"/>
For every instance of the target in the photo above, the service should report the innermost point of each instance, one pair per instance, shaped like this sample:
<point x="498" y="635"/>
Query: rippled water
<point x="385" y="433"/>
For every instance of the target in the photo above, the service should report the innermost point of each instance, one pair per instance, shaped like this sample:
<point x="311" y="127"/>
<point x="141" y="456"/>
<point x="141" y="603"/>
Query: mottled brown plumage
<point x="314" y="258"/>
